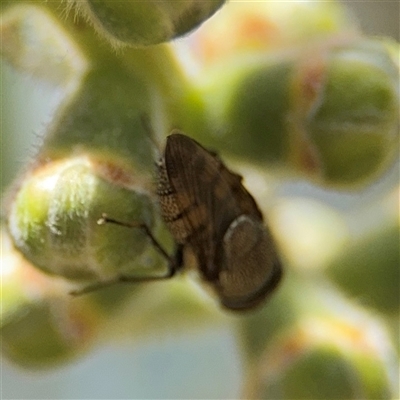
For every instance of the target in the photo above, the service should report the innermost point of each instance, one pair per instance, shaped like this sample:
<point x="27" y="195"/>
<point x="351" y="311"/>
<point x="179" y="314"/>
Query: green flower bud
<point x="329" y="111"/>
<point x="142" y="23"/>
<point x="40" y="325"/>
<point x="368" y="269"/>
<point x="43" y="336"/>
<point x="247" y="99"/>
<point x="312" y="343"/>
<point x="13" y="298"/>
<point x="323" y="360"/>
<point x="353" y="122"/>
<point x="54" y="217"/>
<point x="96" y="158"/>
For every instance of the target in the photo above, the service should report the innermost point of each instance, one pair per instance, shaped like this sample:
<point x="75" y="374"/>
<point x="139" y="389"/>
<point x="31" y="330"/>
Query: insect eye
<point x="242" y="236"/>
<point x="251" y="269"/>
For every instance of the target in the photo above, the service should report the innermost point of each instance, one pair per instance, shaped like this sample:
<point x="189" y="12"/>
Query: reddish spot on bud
<point x="115" y="173"/>
<point x="79" y="325"/>
<point x="293" y="347"/>
<point x="240" y="31"/>
<point x="309" y="159"/>
<point x="312" y="79"/>
<point x="307" y="90"/>
<point x="257" y="30"/>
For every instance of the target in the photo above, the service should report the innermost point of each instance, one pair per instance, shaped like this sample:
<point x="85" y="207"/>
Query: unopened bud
<point x="329" y="112"/>
<point x="141" y="23"/>
<point x="54" y="218"/>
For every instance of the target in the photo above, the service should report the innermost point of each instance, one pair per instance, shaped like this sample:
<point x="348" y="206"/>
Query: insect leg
<point x="175" y="262"/>
<point x="140" y="225"/>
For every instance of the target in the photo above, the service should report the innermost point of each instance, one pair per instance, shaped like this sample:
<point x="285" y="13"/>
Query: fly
<point x="208" y="210"/>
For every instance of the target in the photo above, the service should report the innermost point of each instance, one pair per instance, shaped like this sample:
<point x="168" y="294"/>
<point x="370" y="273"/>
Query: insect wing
<point x="209" y="196"/>
<point x="244" y="199"/>
<point x="185" y="162"/>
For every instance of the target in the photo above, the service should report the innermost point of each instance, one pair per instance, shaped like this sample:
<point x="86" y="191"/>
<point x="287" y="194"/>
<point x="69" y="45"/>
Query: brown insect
<point x="208" y="210"/>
